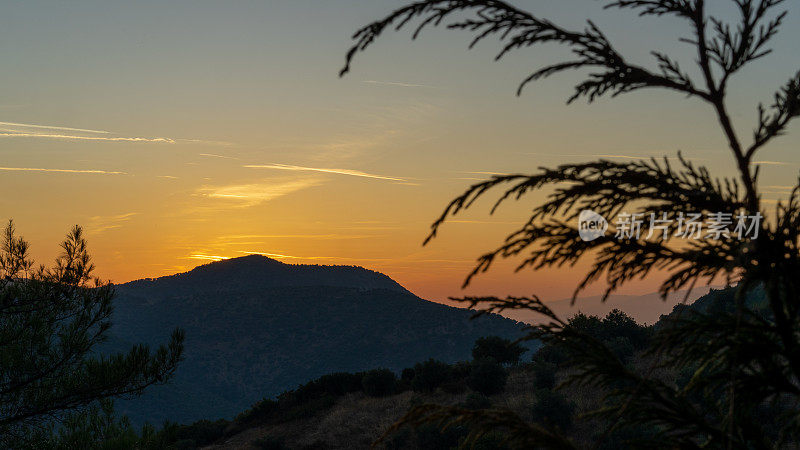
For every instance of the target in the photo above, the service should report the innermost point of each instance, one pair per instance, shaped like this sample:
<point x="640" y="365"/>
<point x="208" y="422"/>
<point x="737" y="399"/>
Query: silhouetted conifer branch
<point x="742" y="355"/>
<point x="518" y="29"/>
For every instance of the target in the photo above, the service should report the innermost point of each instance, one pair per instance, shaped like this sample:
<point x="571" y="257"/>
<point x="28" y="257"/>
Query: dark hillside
<point x="256" y="327"/>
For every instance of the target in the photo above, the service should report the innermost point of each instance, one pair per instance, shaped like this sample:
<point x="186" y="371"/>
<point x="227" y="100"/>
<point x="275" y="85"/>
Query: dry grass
<point x="355" y="421"/>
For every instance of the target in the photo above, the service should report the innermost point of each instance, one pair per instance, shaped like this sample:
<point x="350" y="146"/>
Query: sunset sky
<point x="180" y="131"/>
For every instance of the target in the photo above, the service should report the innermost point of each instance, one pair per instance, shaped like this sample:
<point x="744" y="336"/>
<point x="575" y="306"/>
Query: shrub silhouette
<point x="544" y="374"/>
<point x="500" y="349"/>
<point x="433" y="438"/>
<point x="487" y="377"/>
<point x="270" y="443"/>
<point x="379" y="383"/>
<point x="552" y="408"/>
<point x="553" y="353"/>
<point x="204" y="431"/>
<point x="429" y="375"/>
<point x="334" y="384"/>
<point x="260" y="411"/>
<point x="476" y="400"/>
<point x="617" y="330"/>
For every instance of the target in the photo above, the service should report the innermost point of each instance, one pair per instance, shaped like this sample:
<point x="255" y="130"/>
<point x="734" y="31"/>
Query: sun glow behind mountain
<point x="213" y="130"/>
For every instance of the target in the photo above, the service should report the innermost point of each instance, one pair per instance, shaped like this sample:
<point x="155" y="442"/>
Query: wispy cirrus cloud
<point x="38" y="169"/>
<point x="644" y="156"/>
<point x="479" y="175"/>
<point x="399" y="84"/>
<point x="245" y="195"/>
<point x="205" y="257"/>
<point x="354" y="173"/>
<point x="209" y="257"/>
<point x="47" y="127"/>
<point x="237" y="237"/>
<point x="774" y="163"/>
<point x="100" y="224"/>
<point x="27" y="130"/>
<point x="613" y="156"/>
<point x="486" y="222"/>
<point x="331" y="258"/>
<point x="634" y="157"/>
<point x="86" y="138"/>
<point x="489" y="173"/>
<point x="212" y="155"/>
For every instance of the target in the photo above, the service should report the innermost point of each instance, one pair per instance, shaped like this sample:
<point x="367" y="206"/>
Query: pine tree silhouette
<point x="51" y="321"/>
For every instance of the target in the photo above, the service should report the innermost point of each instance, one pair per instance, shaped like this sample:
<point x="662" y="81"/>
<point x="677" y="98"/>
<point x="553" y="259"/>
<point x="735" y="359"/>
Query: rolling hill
<point x="256" y="327"/>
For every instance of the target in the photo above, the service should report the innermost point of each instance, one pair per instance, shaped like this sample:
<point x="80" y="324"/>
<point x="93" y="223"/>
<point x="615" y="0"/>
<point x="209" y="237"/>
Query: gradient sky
<point x="179" y="131"/>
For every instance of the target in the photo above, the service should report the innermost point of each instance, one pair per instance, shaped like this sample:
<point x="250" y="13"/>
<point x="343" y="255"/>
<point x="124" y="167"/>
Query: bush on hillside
<point x="335" y="384"/>
<point x="304" y="401"/>
<point x="202" y="432"/>
<point x="551" y="353"/>
<point x="431" y="437"/>
<point x="552" y="409"/>
<point x="500" y="349"/>
<point x="429" y="375"/>
<point x="379" y="383"/>
<point x="270" y="443"/>
<point x="460" y="370"/>
<point x="622" y="347"/>
<point x="619" y="324"/>
<point x="544" y="374"/>
<point x="489" y="441"/>
<point x="457" y="379"/>
<point x="260" y="411"/>
<point x="476" y="400"/>
<point x="487" y="377"/>
<point x="308" y="409"/>
<point x="616" y="325"/>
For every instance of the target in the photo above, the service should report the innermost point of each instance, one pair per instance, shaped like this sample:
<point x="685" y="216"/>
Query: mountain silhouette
<point x="256" y="271"/>
<point x="256" y="327"/>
